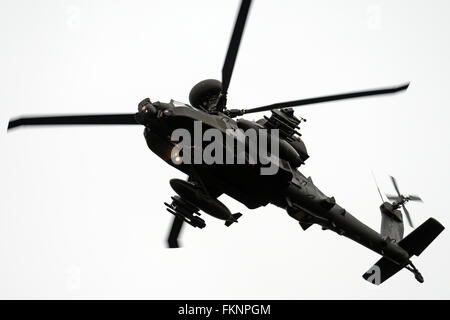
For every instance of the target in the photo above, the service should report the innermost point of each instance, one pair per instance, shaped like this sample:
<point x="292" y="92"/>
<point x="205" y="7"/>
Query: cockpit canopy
<point x="177" y="104"/>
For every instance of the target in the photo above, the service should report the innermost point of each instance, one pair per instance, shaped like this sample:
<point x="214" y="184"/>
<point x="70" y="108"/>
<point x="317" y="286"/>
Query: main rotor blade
<point x="233" y="47"/>
<point x="394" y="182"/>
<point x="407" y="216"/>
<point x="97" y="119"/>
<point x="335" y="97"/>
<point x="177" y="225"/>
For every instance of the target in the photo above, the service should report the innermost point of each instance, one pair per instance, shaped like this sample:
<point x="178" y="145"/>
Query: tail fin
<point x="391" y="222"/>
<point x="235" y="216"/>
<point x="415" y="243"/>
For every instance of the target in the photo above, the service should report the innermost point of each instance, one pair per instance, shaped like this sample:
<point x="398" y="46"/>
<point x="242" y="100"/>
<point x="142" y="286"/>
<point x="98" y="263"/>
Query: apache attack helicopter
<point x="288" y="189"/>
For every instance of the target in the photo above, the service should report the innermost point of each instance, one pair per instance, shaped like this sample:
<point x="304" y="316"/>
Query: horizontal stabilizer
<point x="381" y="271"/>
<point x="414" y="244"/>
<point x="418" y="240"/>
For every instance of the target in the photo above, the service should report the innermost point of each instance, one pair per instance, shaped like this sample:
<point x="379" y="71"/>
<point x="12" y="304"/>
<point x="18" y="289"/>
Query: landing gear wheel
<point x="416" y="272"/>
<point x="419" y="277"/>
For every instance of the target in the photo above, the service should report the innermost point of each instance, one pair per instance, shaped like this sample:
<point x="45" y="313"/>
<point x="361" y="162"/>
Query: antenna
<point x="378" y="188"/>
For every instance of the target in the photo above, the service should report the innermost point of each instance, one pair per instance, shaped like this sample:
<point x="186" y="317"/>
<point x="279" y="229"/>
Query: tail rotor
<point x="399" y="200"/>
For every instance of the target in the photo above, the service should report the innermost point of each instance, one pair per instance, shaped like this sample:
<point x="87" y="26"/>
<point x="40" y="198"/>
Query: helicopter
<point x="286" y="188"/>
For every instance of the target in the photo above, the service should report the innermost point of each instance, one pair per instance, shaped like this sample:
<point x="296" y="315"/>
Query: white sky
<point x="81" y="209"/>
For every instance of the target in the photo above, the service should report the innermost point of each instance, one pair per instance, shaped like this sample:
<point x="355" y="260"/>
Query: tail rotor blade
<point x="393" y="197"/>
<point x="394" y="182"/>
<point x="407" y="216"/>
<point x="400" y="200"/>
<point x="414" y="198"/>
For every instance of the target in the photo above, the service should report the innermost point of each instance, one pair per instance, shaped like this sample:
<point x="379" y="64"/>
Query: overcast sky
<point x="81" y="209"/>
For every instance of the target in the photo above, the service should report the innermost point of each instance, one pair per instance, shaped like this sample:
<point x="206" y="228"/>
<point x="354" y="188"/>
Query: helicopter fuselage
<point x="288" y="188"/>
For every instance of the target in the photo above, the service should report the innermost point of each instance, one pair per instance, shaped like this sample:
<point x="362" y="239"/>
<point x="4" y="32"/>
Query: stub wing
<point x="415" y="243"/>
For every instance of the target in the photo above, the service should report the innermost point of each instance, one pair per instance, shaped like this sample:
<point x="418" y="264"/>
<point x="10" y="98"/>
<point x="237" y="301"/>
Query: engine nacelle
<point x="291" y="148"/>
